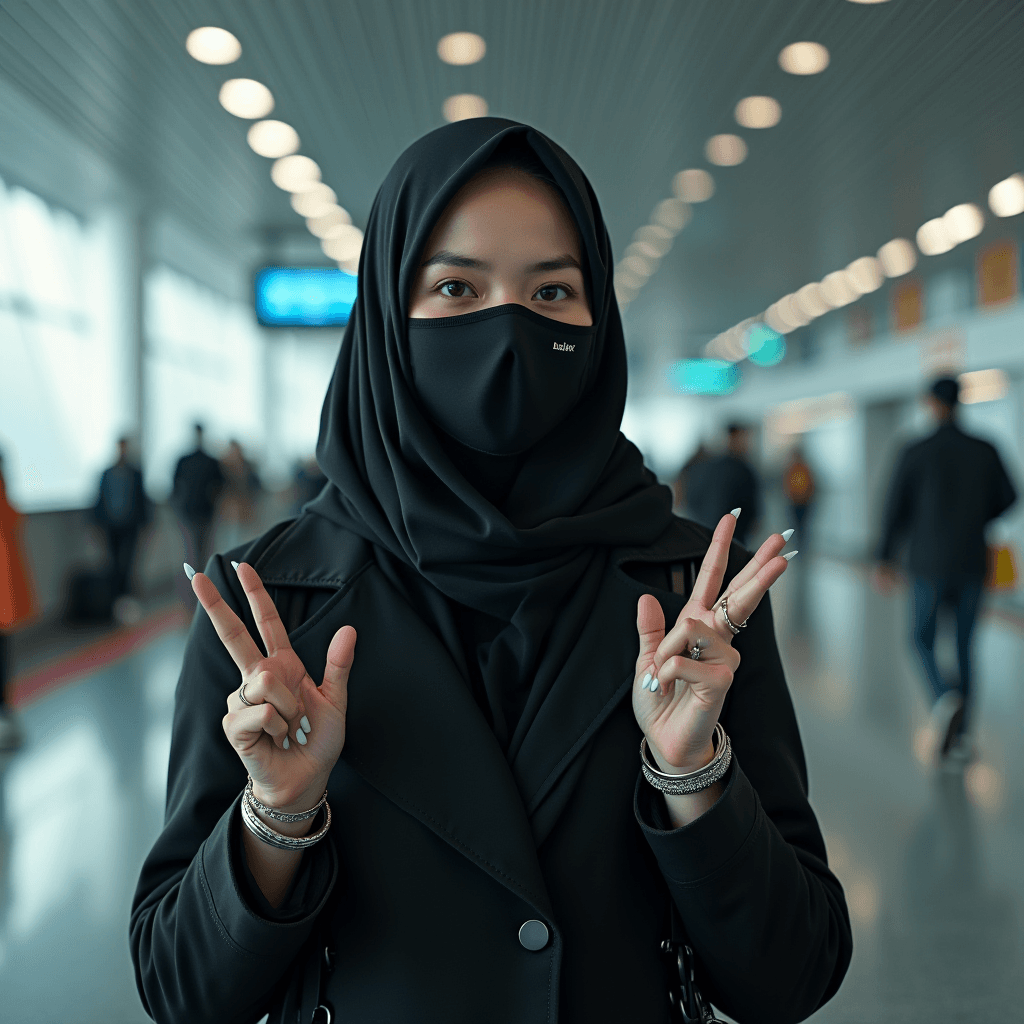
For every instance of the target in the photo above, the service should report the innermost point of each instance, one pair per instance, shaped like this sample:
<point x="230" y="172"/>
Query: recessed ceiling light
<point x="983" y="386"/>
<point x="245" y="97"/>
<point x="461" y="48"/>
<point x="725" y="150"/>
<point x="326" y="225"/>
<point x="212" y="45"/>
<point x="838" y="290"/>
<point x="464" y="105"/>
<point x="657" y="239"/>
<point x="641" y="251"/>
<point x="758" y="112"/>
<point x="804" y="58"/>
<point x="865" y="274"/>
<point x="963" y="222"/>
<point x="897" y="257"/>
<point x="272" y="138"/>
<point x="694" y="185"/>
<point x="344" y="245"/>
<point x="638" y="265"/>
<point x="933" y="237"/>
<point x="1006" y="199"/>
<point x="788" y="309"/>
<point x="294" y="173"/>
<point x="869" y="1"/>
<point x="810" y="301"/>
<point x="775" y="321"/>
<point x="627" y="279"/>
<point x="672" y="214"/>
<point x="315" y="200"/>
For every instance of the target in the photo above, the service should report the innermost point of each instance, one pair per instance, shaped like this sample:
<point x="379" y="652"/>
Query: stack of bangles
<point x="681" y="785"/>
<point x="262" y="831"/>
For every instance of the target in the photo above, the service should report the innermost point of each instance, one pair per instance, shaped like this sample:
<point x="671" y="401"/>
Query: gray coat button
<point x="533" y="935"/>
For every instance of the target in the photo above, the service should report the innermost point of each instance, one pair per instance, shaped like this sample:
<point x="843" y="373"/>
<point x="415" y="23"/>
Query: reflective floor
<point x="931" y="861"/>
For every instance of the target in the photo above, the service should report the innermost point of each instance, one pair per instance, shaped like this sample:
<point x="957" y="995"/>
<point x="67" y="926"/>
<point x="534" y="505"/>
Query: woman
<point x="491" y="852"/>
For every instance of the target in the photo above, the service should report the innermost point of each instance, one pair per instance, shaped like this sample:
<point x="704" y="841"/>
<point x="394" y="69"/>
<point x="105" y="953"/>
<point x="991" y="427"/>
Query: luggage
<point x="90" y="596"/>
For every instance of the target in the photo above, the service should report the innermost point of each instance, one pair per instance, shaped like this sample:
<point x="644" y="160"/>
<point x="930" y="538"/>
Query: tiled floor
<point x="931" y="861"/>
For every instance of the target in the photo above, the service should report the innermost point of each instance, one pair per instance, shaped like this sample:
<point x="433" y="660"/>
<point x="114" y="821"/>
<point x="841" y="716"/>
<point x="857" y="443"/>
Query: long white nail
<point x="654" y="685"/>
<point x="304" y="722"/>
<point x="234" y="565"/>
<point x="286" y="744"/>
<point x="736" y="512"/>
<point x="301" y="737"/>
<point x="786" y="534"/>
<point x="790" y="554"/>
<point x="646" y="681"/>
<point x="189" y="571"/>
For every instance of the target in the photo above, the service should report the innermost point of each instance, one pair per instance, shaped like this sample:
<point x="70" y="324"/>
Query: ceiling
<point x="921" y="108"/>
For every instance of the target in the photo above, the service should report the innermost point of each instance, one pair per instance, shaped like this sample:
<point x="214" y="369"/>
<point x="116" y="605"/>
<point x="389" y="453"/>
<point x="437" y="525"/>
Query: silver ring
<point x="734" y="628"/>
<point x="695" y="651"/>
<point x="241" y="697"/>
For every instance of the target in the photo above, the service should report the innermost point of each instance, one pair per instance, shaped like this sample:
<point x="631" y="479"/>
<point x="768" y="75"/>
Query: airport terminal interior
<point x="816" y="211"/>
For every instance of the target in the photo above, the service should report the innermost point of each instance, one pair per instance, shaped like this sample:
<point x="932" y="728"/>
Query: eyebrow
<point x="447" y="258"/>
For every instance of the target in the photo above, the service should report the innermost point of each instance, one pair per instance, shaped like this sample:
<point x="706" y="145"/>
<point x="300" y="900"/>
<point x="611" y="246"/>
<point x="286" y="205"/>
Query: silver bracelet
<point x="262" y="831"/>
<point x="284" y="816"/>
<point x="694" y="782"/>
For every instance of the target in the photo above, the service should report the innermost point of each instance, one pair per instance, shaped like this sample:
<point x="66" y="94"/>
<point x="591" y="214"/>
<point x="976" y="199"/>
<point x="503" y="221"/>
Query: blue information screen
<point x="304" y="296"/>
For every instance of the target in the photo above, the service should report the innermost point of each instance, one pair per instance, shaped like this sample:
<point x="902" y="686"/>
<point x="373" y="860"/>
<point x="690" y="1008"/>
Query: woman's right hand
<point x="289" y="764"/>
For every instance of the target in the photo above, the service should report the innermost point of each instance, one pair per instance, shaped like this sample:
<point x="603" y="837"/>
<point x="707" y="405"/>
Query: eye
<point x="455" y="289"/>
<point x="553" y="293"/>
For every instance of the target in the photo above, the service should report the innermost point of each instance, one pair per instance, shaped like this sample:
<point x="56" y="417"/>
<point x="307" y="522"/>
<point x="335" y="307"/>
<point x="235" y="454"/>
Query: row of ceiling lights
<point x="460" y="49"/>
<point x="696" y="185"/>
<point x="894" y="259"/>
<point x="246" y="98"/>
<point x="726" y="150"/>
<point x="276" y="140"/>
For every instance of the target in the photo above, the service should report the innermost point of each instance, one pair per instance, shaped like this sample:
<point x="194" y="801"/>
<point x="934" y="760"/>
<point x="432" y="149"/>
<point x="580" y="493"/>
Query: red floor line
<point x="88" y="659"/>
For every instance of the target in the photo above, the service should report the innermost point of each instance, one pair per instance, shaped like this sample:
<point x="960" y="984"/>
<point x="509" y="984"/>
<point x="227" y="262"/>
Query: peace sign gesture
<point x="288" y="732"/>
<point x="677" y="698"/>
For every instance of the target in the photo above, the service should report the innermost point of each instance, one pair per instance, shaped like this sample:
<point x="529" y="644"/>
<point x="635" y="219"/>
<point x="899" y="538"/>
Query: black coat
<point x="719" y="484"/>
<point x="198" y="480"/>
<point x="122" y="503"/>
<point x="436" y="858"/>
<point x="944" y="491"/>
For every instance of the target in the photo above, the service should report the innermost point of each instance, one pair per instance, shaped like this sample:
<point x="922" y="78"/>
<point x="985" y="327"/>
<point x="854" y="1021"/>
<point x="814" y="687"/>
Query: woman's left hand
<point x="676" y="699"/>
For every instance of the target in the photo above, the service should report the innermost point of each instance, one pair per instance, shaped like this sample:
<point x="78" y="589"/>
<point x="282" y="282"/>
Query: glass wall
<point x="203" y="362"/>
<point x="62" y="365"/>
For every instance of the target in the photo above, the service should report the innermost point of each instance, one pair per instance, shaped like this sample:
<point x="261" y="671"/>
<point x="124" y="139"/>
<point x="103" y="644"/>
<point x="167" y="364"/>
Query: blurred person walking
<point x="723" y="482"/>
<point x="198" y="481"/>
<point x="943" y="493"/>
<point x="17" y="605"/>
<point x="240" y="498"/>
<point x="121" y="511"/>
<point x="682" y="488"/>
<point x="798" y="487"/>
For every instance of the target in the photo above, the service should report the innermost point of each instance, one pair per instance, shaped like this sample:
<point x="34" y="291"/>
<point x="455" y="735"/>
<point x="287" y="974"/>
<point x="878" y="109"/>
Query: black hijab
<point x="520" y="541"/>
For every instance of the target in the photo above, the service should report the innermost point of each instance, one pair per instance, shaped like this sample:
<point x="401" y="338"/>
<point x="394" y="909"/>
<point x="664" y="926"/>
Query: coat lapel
<point x="597" y="675"/>
<point x="415" y="733"/>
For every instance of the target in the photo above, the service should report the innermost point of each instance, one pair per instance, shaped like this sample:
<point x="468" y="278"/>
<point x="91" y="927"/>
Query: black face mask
<point x="500" y="379"/>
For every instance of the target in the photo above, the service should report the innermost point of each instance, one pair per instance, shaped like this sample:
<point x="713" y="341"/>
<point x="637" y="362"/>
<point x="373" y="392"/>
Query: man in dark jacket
<point x="719" y="484"/>
<point x="198" y="480"/>
<point x="121" y="510"/>
<point x="945" y="490"/>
